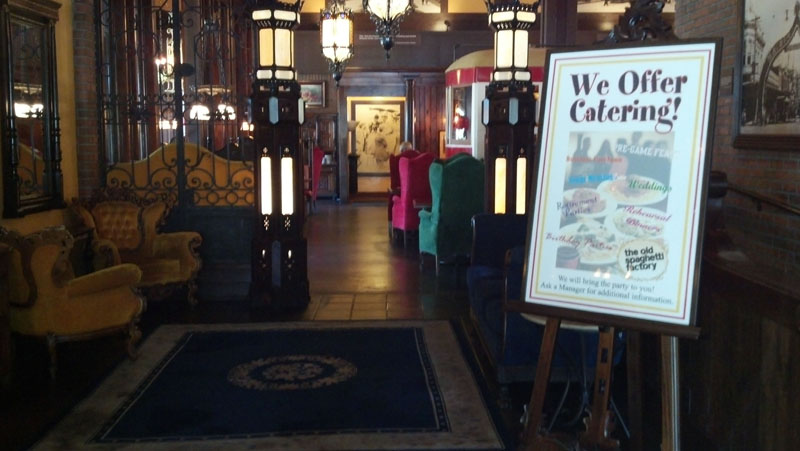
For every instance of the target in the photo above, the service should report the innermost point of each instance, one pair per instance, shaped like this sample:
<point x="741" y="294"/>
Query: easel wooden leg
<point x="670" y="405"/>
<point x="633" y="351"/>
<point x="599" y="423"/>
<point x="531" y="438"/>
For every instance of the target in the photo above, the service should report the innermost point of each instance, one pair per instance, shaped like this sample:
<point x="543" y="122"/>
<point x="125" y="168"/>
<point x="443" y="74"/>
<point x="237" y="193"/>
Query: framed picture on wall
<point x="379" y="131"/>
<point x="767" y="83"/>
<point x="313" y="93"/>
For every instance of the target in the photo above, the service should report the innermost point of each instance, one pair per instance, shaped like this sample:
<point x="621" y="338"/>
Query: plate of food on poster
<point x="634" y="189"/>
<point x="637" y="222"/>
<point x="596" y="244"/>
<point x="586" y="203"/>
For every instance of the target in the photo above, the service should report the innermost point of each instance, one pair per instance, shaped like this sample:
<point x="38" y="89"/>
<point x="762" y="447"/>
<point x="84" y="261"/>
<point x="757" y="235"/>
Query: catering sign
<point x="624" y="160"/>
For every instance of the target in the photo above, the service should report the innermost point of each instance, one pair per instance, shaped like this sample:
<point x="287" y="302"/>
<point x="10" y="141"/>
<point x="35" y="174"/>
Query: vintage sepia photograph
<point x="378" y="133"/>
<point x="770" y="71"/>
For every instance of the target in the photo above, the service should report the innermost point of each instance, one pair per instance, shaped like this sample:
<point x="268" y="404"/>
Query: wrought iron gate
<point x="173" y="82"/>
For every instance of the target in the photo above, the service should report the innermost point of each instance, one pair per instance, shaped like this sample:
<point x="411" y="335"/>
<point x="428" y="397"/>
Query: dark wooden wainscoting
<point x="741" y="380"/>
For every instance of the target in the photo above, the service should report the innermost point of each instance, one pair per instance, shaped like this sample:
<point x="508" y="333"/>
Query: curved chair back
<point x="394" y="167"/>
<point x="457" y="191"/>
<point x="414" y="187"/>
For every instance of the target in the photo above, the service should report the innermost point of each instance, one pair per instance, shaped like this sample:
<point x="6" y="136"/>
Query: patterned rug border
<point x="474" y="425"/>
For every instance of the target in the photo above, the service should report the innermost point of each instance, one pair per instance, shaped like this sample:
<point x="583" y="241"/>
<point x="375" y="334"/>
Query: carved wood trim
<point x="61" y="272"/>
<point x="642" y="20"/>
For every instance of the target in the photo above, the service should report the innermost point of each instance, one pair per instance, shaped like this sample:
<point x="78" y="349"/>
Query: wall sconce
<point x="26" y="111"/>
<point x="278" y="265"/>
<point x="225" y="112"/>
<point x="511" y="22"/>
<point x="199" y="112"/>
<point x="166" y="124"/>
<point x="336" y="37"/>
<point x="509" y="108"/>
<point x="387" y="15"/>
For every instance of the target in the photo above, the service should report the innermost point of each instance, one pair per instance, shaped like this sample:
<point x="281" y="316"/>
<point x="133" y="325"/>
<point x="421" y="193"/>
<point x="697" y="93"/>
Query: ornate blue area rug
<point x="389" y="385"/>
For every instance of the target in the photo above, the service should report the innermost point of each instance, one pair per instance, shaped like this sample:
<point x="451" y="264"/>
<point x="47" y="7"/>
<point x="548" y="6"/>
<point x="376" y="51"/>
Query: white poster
<point x="623" y="162"/>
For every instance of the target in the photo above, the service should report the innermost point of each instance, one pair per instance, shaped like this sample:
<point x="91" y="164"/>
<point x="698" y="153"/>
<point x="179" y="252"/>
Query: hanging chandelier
<point x="387" y="15"/>
<point x="336" y="37"/>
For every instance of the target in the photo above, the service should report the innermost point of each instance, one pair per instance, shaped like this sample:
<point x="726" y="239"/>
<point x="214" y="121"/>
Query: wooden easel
<point x="599" y="423"/>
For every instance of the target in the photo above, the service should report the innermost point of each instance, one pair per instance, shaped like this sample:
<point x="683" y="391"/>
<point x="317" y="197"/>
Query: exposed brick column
<point x="89" y="171"/>
<point x="769" y="237"/>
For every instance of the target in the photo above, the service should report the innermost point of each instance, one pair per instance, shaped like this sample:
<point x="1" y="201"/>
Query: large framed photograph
<point x="767" y="84"/>
<point x="617" y="219"/>
<point x="313" y="93"/>
<point x="379" y="131"/>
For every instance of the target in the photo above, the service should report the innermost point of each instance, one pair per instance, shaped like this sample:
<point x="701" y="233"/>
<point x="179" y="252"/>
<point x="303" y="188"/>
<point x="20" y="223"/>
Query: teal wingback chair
<point x="445" y="231"/>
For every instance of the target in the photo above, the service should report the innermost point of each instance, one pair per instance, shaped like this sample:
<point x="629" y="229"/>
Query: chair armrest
<point x="395" y="198"/>
<point x="180" y="245"/>
<point x="425" y="214"/>
<point x="104" y="254"/>
<point x="105" y="279"/>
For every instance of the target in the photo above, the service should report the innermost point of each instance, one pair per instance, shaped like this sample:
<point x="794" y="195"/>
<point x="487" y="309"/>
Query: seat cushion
<point x="160" y="270"/>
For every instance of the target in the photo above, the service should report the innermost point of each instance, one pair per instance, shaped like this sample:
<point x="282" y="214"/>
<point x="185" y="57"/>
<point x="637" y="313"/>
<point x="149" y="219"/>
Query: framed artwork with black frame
<point x="767" y="80"/>
<point x="624" y="157"/>
<point x="313" y="93"/>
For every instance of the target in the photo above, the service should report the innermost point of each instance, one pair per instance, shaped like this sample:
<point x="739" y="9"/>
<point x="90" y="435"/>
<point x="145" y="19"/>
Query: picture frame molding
<point x="304" y="85"/>
<point x="353" y="101"/>
<point x="755" y="141"/>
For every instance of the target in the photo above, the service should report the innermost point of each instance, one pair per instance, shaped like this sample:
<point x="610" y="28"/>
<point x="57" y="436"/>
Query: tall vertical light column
<point x="509" y="109"/>
<point x="279" y="259"/>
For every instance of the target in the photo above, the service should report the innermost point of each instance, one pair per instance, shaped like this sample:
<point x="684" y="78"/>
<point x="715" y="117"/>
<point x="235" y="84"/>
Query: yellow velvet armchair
<point x="48" y="302"/>
<point x="126" y="230"/>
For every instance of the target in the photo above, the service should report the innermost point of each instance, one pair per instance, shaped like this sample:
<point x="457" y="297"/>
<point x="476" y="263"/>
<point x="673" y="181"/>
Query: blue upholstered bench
<point x="512" y="341"/>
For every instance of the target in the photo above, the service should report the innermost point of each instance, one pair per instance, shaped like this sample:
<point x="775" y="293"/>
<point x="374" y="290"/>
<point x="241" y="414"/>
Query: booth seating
<point x="415" y="191"/>
<point x="394" y="179"/>
<point x="457" y="187"/>
<point x="313" y="180"/>
<point x="512" y="340"/>
<point x="126" y="230"/>
<point x="48" y="302"/>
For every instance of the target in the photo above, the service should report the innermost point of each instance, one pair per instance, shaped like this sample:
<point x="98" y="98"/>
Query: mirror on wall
<point x="31" y="156"/>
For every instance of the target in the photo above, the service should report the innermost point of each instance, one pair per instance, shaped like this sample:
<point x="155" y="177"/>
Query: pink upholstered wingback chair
<point x="414" y="188"/>
<point x="394" y="179"/>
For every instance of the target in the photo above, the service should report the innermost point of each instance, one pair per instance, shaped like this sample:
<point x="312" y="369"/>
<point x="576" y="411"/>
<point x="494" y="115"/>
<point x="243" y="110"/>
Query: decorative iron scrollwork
<point x="642" y="20"/>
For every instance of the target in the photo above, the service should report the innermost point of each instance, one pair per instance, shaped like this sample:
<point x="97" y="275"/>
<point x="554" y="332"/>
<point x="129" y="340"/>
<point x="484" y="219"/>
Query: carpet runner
<point x="384" y="385"/>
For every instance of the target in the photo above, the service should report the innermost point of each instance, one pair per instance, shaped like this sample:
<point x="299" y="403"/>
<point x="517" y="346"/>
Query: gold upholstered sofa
<point x="125" y="229"/>
<point x="48" y="302"/>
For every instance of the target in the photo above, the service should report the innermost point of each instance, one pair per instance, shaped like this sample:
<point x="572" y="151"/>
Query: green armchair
<point x="445" y="231"/>
<point x="48" y="302"/>
<point x="126" y="230"/>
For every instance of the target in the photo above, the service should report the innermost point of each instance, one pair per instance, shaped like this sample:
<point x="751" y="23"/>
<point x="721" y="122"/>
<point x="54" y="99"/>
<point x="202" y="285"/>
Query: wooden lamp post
<point x="279" y="259"/>
<point x="509" y="109"/>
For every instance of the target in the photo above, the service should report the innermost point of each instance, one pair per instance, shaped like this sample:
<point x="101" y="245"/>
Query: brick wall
<point x="86" y="98"/>
<point x="771" y="236"/>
